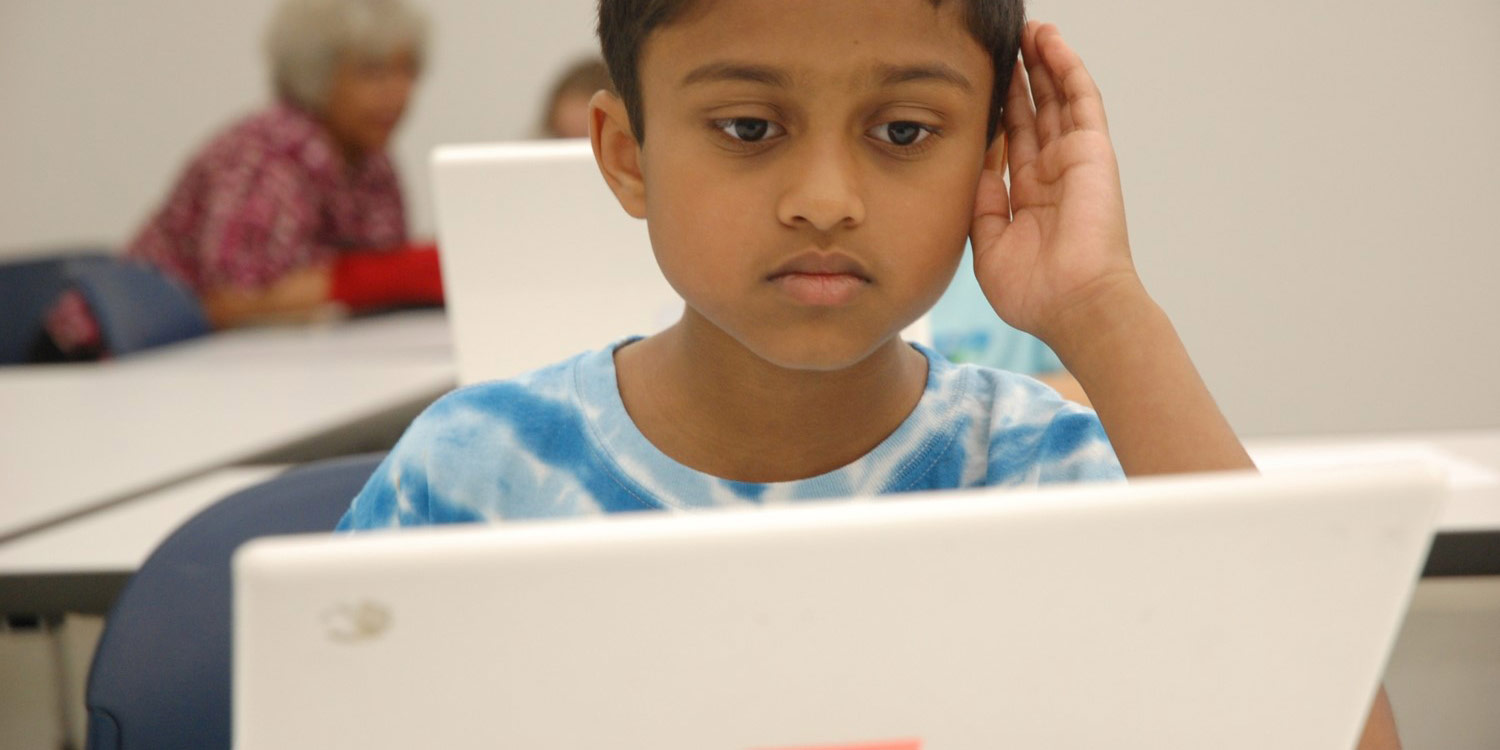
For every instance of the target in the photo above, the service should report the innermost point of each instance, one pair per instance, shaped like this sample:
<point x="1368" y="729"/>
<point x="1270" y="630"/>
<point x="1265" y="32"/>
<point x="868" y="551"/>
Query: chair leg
<point x="29" y="692"/>
<point x="76" y="638"/>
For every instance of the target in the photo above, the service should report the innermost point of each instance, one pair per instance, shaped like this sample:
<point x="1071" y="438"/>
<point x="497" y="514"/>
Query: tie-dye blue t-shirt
<point x="558" y="442"/>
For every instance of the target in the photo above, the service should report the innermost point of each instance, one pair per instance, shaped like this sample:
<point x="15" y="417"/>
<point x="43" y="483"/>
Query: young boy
<point x="809" y="171"/>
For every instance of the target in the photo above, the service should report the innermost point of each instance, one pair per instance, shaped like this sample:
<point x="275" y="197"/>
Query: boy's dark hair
<point x="624" y="26"/>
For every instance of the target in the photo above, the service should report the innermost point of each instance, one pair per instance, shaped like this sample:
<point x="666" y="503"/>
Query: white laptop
<point x="1227" y="612"/>
<point x="539" y="260"/>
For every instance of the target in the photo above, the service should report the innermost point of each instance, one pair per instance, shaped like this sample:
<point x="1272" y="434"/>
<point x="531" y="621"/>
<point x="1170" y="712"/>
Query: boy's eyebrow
<point x="726" y="71"/>
<point x="888" y="75"/>
<point x="891" y="75"/>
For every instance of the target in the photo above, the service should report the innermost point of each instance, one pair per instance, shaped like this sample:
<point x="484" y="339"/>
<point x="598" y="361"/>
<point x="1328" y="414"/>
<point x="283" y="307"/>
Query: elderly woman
<point x="297" y="206"/>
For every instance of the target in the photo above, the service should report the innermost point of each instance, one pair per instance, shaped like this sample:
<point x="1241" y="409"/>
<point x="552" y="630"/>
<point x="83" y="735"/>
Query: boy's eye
<point x="748" y="129"/>
<point x="901" y="133"/>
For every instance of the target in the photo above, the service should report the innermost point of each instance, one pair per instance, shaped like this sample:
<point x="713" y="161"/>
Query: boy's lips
<point x="821" y="279"/>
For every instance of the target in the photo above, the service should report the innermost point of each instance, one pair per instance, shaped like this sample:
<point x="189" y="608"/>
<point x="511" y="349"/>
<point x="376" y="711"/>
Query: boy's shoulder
<point x="569" y="405"/>
<point x="1021" y="429"/>
<point x="522" y="447"/>
<point x="1013" y="397"/>
<point x="1021" y="424"/>
<point x="556" y="442"/>
<point x="552" y="382"/>
<point x="547" y="403"/>
<point x="1016" y="397"/>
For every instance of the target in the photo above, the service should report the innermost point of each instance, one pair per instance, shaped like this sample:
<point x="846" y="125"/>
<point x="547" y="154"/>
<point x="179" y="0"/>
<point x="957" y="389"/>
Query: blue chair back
<point x="28" y="287"/>
<point x="138" y="307"/>
<point x="160" y="677"/>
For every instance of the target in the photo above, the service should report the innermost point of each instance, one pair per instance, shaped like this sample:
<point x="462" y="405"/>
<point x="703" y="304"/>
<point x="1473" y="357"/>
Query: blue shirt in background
<point x="966" y="329"/>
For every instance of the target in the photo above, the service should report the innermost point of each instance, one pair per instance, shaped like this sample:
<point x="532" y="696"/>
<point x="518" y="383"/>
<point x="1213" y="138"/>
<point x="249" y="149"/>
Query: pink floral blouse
<point x="268" y="196"/>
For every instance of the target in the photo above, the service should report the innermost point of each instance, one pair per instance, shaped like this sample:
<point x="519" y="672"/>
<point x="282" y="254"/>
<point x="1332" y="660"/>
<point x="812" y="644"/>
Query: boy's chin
<point x="816" y="355"/>
<point x="811" y="347"/>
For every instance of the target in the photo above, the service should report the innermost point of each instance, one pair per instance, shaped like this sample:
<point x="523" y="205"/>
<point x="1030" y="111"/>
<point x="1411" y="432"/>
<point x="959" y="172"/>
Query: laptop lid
<point x="539" y="260"/>
<point x="1226" y="611"/>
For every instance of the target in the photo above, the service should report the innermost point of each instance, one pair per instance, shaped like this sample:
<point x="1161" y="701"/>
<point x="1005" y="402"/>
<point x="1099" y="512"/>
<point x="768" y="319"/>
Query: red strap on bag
<point x="369" y="280"/>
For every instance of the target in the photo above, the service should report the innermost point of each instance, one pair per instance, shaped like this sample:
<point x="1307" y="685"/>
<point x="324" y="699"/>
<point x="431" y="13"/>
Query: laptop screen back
<point x="1225" y="612"/>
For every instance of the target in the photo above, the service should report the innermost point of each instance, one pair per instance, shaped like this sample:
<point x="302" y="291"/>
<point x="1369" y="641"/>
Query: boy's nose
<point x="823" y="190"/>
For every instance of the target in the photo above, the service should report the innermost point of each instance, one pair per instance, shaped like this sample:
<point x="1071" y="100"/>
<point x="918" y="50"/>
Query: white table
<point x="93" y="555"/>
<point x="80" y="566"/>
<point x="78" y="438"/>
<point x="1471" y="458"/>
<point x="407" y="337"/>
<point x="119" y="538"/>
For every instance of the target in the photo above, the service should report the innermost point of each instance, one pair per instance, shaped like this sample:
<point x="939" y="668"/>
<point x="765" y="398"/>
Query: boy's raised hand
<point x="1056" y="243"/>
<point x="1053" y="259"/>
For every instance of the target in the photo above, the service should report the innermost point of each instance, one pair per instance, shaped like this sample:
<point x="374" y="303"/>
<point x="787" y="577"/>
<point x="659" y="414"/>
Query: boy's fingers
<point x="1044" y="91"/>
<point x="1085" y="105"/>
<point x="1020" y="123"/>
<point x="991" y="210"/>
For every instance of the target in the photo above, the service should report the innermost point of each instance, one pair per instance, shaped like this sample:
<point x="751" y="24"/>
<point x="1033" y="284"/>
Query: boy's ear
<point x="617" y="151"/>
<point x="994" y="156"/>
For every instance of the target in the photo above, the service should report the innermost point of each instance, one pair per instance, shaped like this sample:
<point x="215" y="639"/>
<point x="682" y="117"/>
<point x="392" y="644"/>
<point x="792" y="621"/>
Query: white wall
<point x="1310" y="188"/>
<point x="1309" y="184"/>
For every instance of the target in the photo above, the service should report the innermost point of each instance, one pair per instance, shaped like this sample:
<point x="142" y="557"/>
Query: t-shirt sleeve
<point x="403" y="490"/>
<point x="1037" y="437"/>
<point x="388" y="500"/>
<point x="1074" y="448"/>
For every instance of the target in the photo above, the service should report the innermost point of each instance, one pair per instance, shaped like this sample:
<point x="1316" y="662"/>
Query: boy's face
<point x="809" y="167"/>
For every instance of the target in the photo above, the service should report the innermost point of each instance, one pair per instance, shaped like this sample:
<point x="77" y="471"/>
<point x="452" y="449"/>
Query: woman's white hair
<point x="306" y="40"/>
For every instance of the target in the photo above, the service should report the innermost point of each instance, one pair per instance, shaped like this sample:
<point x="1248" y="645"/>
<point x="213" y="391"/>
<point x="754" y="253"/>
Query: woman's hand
<point x="299" y="296"/>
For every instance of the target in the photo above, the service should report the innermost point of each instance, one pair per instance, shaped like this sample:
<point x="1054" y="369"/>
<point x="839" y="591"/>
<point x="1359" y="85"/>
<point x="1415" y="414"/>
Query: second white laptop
<point x="1228" y="612"/>
<point x="539" y="260"/>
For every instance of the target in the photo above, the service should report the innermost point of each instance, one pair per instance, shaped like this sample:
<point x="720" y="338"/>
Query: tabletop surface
<point x="119" y="538"/>
<point x="1471" y="459"/>
<point x="80" y="437"/>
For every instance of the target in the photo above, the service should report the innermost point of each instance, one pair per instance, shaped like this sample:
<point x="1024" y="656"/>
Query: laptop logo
<point x="357" y="622"/>
<point x="885" y="745"/>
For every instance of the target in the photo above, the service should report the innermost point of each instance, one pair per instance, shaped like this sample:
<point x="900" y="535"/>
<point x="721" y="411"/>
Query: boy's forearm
<point x="1158" y="412"/>
<point x="1156" y="409"/>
